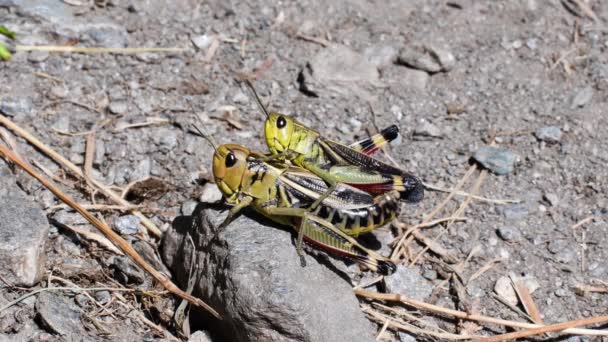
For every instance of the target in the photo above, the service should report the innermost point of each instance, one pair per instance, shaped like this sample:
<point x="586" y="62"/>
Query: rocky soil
<point x="518" y="88"/>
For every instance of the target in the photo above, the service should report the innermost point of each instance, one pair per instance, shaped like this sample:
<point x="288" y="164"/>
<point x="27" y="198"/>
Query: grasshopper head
<point x="229" y="166"/>
<point x="278" y="130"/>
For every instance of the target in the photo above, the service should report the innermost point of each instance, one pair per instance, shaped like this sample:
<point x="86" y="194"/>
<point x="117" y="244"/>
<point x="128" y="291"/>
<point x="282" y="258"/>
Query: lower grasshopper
<point x="334" y="162"/>
<point x="284" y="194"/>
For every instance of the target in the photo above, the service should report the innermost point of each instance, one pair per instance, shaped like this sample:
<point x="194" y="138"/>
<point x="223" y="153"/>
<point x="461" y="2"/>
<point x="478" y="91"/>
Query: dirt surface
<point x="503" y="71"/>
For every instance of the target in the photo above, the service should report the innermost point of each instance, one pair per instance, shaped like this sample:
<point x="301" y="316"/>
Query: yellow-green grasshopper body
<point x="336" y="163"/>
<point x="284" y="194"/>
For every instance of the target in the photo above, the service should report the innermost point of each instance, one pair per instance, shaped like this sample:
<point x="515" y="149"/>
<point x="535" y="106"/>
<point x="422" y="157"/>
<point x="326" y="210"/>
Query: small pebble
<point x="427" y="58"/>
<point x="515" y="211"/>
<point x="561" y="292"/>
<point x="556" y="246"/>
<point x="81" y="300"/>
<point x="142" y="170"/>
<point x="38" y="56"/>
<point x="509" y="233"/>
<point x="517" y="44"/>
<point x="406" y="337"/>
<point x="202" y="42"/>
<point x="118" y="107"/>
<point x="127" y="225"/>
<point x="12" y="106"/>
<point x="210" y="193"/>
<point x="498" y="160"/>
<point x="103" y="297"/>
<point x="532" y="43"/>
<point x="408" y="282"/>
<point x="426" y="130"/>
<point x="582" y="98"/>
<point x="188" y="207"/>
<point x="62" y="124"/>
<point x="240" y="98"/>
<point x="505" y="290"/>
<point x="552" y="199"/>
<point x="58" y="92"/>
<point x="566" y="256"/>
<point x="550" y="134"/>
<point x="430" y="274"/>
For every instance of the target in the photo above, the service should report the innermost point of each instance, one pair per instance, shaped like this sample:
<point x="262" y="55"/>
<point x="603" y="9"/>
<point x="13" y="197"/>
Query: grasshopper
<point x="284" y="193"/>
<point x="334" y="162"/>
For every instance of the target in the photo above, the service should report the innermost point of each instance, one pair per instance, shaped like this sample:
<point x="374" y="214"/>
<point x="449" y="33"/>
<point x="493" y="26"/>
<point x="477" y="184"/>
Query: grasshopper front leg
<point x="244" y="202"/>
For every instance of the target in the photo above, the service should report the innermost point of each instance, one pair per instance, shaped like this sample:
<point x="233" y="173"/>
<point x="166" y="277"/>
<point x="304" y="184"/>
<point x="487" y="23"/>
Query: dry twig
<point x="76" y="171"/>
<point x="121" y="51"/>
<point x="108" y="232"/>
<point x="392" y="297"/>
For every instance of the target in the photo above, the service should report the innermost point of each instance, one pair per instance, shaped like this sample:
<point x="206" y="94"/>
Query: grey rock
<point x="118" y="107"/>
<point x="142" y="170"/>
<point x="12" y="106"/>
<point x="509" y="233"/>
<point x="426" y="130"/>
<point x="166" y="140"/>
<point x="23" y="234"/>
<point x="413" y="78"/>
<point x="60" y="315"/>
<point x="428" y="58"/>
<point x="210" y="193"/>
<point x="103" y="297"/>
<point x="565" y="256"/>
<point x="381" y="55"/>
<point x="498" y="160"/>
<point x="429" y="274"/>
<point x="406" y="337"/>
<point x="550" y="134"/>
<point x="582" y="98"/>
<point x="82" y="300"/>
<point x="202" y="42"/>
<point x="48" y="10"/>
<point x="515" y="212"/>
<point x="127" y="225"/>
<point x="408" y="282"/>
<point x="150" y="254"/>
<point x="240" y="97"/>
<point x="551" y="198"/>
<point x="504" y="288"/>
<point x="339" y="70"/>
<point x="62" y="123"/>
<point x="532" y="43"/>
<point x="38" y="56"/>
<point x="58" y="92"/>
<point x="561" y="292"/>
<point x="251" y="273"/>
<point x="188" y="207"/>
<point x="105" y="34"/>
<point x="200" y="336"/>
<point x="126" y="272"/>
<point x="558" y="245"/>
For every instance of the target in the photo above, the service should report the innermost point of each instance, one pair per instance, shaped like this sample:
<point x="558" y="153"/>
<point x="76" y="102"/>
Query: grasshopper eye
<point x="230" y="160"/>
<point x="281" y="122"/>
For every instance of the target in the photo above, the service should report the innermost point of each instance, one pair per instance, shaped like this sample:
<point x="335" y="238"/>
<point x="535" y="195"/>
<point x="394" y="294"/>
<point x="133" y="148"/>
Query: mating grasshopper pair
<point x="328" y="196"/>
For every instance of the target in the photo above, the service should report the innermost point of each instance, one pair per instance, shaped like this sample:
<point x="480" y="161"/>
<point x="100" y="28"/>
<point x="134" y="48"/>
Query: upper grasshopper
<point x="284" y="194"/>
<point x="334" y="162"/>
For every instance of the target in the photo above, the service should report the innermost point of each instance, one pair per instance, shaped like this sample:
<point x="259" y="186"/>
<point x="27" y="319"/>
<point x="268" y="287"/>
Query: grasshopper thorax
<point x="278" y="130"/>
<point x="229" y="166"/>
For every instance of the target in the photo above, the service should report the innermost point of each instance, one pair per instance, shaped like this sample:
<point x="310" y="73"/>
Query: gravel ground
<point x="531" y="76"/>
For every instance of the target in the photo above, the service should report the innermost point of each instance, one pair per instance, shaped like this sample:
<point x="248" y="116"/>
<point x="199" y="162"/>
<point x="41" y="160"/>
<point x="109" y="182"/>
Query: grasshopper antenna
<point x="206" y="137"/>
<point x="254" y="94"/>
<point x="200" y="132"/>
